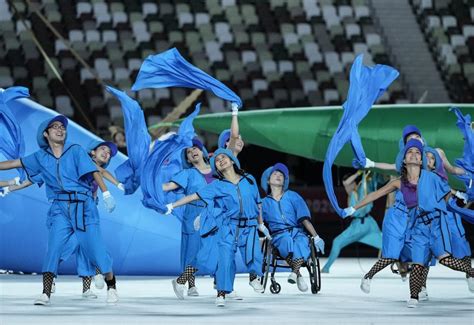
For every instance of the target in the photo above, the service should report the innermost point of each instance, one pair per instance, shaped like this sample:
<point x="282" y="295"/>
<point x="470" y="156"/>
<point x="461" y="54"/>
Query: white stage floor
<point x="152" y="300"/>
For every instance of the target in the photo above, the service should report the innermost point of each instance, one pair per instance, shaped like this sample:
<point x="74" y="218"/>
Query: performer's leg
<point x="379" y="266"/>
<point x="347" y="237"/>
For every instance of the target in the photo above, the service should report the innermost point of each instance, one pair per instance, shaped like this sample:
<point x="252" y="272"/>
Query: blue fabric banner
<point x="170" y="69"/>
<point x="367" y="84"/>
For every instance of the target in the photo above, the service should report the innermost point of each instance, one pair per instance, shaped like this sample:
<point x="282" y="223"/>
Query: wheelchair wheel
<point x="314" y="271"/>
<point x="267" y="258"/>
<point x="275" y="287"/>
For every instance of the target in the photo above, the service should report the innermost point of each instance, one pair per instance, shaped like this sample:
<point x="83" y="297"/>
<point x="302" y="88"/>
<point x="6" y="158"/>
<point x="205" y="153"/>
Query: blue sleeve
<point x="301" y="208"/>
<point x="209" y="192"/>
<point x="181" y="178"/>
<point x="84" y="163"/>
<point x="258" y="199"/>
<point x="36" y="179"/>
<point x="31" y="165"/>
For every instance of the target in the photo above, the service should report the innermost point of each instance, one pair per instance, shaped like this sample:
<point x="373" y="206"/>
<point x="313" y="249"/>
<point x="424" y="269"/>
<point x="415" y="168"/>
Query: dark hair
<point x="238" y="171"/>
<point x="404" y="173"/>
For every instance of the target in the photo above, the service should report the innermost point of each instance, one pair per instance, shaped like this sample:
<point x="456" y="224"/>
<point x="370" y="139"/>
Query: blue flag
<point x="366" y="86"/>
<point x="170" y="69"/>
<point x="138" y="141"/>
<point x="12" y="143"/>
<point x="163" y="163"/>
<point x="467" y="160"/>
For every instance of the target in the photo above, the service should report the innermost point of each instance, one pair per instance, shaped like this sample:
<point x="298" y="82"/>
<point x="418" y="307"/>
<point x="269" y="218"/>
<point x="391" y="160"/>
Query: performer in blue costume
<point x="101" y="153"/>
<point x="460" y="246"/>
<point x="425" y="195"/>
<point x="289" y="220"/>
<point x="395" y="230"/>
<point x="363" y="227"/>
<point x="196" y="174"/>
<point x="64" y="168"/>
<point x="237" y="194"/>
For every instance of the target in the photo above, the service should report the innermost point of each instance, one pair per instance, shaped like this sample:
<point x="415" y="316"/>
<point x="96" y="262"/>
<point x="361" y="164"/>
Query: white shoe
<point x="53" y="287"/>
<point x="220" y="301"/>
<point x="178" y="289"/>
<point x="256" y="285"/>
<point x="412" y="303"/>
<point x="42" y="300"/>
<point x="89" y="294"/>
<point x="302" y="286"/>
<point x="470" y="284"/>
<point x="99" y="281"/>
<point x="234" y="296"/>
<point x="292" y="278"/>
<point x="423" y="295"/>
<point x="112" y="296"/>
<point x="192" y="292"/>
<point x="365" y="285"/>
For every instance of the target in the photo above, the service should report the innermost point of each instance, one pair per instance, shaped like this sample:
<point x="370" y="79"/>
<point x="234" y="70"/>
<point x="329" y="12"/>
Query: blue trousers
<point x="395" y="233"/>
<point x="62" y="225"/>
<point x="363" y="230"/>
<point x="190" y="245"/>
<point x="247" y="242"/>
<point x="294" y="241"/>
<point x="429" y="237"/>
<point x="83" y="264"/>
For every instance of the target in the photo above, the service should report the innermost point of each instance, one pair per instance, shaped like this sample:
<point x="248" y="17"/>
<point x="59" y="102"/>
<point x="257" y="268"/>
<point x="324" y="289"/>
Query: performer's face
<point x="413" y="156"/>
<point x="239" y="144"/>
<point x="101" y="155"/>
<point x="277" y="178"/>
<point x="56" y="132"/>
<point x="414" y="136"/>
<point x="223" y="162"/>
<point x="119" y="139"/>
<point x="193" y="154"/>
<point x="431" y="160"/>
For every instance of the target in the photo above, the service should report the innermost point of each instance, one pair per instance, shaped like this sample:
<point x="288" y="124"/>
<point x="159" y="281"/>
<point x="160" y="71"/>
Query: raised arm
<point x="234" y="129"/>
<point x="371" y="197"/>
<point x="453" y="170"/>
<point x="10" y="164"/>
<point x="351" y="179"/>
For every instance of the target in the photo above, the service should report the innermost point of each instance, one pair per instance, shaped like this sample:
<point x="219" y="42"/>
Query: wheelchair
<point x="272" y="260"/>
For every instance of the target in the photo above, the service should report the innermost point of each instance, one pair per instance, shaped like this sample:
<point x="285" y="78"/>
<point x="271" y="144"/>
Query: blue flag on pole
<point x="12" y="143"/>
<point x="138" y="141"/>
<point x="170" y="69"/>
<point x="367" y="84"/>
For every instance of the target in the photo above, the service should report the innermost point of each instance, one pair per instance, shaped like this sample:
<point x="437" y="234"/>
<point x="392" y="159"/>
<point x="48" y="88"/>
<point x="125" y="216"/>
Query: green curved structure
<point x="307" y="131"/>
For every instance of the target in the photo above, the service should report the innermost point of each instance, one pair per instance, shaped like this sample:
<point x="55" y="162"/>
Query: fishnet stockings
<point x="48" y="279"/>
<point x="86" y="283"/>
<point x="416" y="280"/>
<point x="379" y="266"/>
<point x="187" y="275"/>
<point x="457" y="265"/>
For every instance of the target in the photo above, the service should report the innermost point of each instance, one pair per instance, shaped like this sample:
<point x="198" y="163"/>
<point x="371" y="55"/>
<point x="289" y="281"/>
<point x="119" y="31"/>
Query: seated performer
<point x="288" y="217"/>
